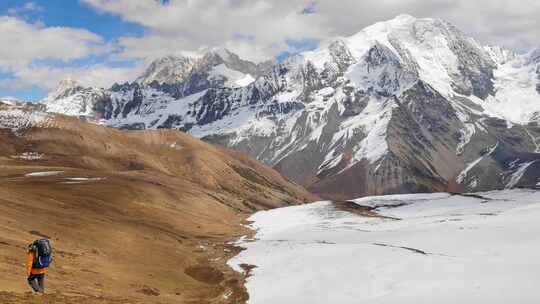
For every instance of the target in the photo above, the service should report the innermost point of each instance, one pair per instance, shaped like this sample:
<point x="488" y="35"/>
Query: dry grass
<point x="154" y="225"/>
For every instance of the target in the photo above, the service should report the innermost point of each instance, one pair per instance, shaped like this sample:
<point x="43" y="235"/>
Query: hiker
<point x="39" y="258"/>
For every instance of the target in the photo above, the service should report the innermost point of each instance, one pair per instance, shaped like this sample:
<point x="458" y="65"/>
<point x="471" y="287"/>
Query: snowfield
<point x="425" y="248"/>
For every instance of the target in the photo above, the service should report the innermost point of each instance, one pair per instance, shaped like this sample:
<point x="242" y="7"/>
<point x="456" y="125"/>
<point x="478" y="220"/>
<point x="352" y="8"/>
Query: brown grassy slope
<point x="152" y="228"/>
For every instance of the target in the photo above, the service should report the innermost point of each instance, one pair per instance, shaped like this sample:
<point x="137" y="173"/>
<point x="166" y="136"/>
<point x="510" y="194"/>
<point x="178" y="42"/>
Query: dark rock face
<point x="431" y="110"/>
<point x="134" y="105"/>
<point x="538" y="77"/>
<point x="211" y="110"/>
<point x="280" y="108"/>
<point x="172" y="122"/>
<point x="132" y="126"/>
<point x="104" y="107"/>
<point x="354" y="102"/>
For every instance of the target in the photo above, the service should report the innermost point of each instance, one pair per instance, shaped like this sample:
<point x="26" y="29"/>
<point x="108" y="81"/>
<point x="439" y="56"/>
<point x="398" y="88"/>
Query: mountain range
<point x="405" y="105"/>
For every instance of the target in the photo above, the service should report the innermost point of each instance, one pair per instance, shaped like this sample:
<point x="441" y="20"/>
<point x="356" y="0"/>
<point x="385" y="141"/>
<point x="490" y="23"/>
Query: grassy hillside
<point x="144" y="216"/>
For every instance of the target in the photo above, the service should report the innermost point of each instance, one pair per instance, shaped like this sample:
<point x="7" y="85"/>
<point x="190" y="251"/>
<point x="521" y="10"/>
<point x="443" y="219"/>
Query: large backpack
<point x="43" y="251"/>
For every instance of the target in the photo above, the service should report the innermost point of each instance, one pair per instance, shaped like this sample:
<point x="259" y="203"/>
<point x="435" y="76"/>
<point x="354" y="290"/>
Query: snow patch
<point x="535" y="140"/>
<point x="44" y="173"/>
<point x="85" y="178"/>
<point x="461" y="177"/>
<point x="329" y="163"/>
<point x="175" y="146"/>
<point x="29" y="156"/>
<point x="465" y="137"/>
<point x="233" y="78"/>
<point x="518" y="174"/>
<point x="17" y="119"/>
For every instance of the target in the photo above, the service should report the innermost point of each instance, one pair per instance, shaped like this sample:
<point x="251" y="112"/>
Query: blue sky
<point x="71" y="14"/>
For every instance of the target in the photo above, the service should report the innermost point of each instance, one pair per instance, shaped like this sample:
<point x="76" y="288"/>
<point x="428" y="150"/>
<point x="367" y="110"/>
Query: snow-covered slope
<point x="217" y="62"/>
<point x="423" y="248"/>
<point x="10" y="100"/>
<point x="20" y="116"/>
<point x="517" y="90"/>
<point x="70" y="98"/>
<point x="404" y="105"/>
<point x="168" y="69"/>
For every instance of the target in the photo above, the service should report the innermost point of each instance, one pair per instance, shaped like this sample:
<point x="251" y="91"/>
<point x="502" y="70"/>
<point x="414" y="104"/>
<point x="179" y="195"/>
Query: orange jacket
<point x="29" y="262"/>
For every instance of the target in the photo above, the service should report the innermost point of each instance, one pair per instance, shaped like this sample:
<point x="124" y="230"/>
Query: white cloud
<point x="47" y="77"/>
<point x="191" y="24"/>
<point x="22" y="43"/>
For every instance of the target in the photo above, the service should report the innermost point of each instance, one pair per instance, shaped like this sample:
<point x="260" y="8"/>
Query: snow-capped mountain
<point x="216" y="64"/>
<point x="16" y="115"/>
<point x="71" y="98"/>
<point x="405" y="105"/>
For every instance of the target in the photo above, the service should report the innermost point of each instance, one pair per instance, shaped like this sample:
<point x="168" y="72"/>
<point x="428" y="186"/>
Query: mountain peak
<point x="405" y="18"/>
<point x="405" y="23"/>
<point x="67" y="83"/>
<point x="65" y="87"/>
<point x="168" y="69"/>
<point x="222" y="52"/>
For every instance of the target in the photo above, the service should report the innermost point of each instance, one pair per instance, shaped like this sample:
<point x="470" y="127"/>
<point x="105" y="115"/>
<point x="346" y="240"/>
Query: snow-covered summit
<point x="10" y="100"/>
<point x="168" y="69"/>
<point x="65" y="88"/>
<point x="71" y="98"/>
<point x="173" y="69"/>
<point x="438" y="52"/>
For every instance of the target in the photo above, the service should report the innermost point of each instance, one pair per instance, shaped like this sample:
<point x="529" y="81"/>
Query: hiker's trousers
<point x="37" y="282"/>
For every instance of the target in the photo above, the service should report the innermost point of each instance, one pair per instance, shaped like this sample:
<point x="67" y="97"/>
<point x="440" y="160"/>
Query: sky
<point x="99" y="42"/>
